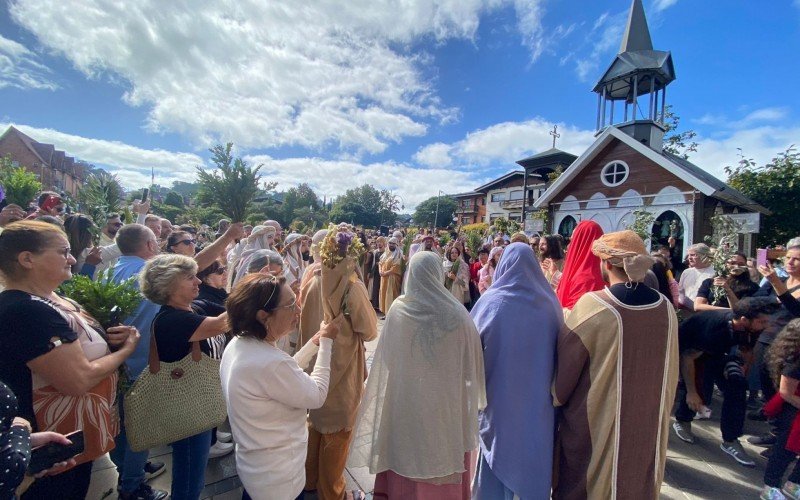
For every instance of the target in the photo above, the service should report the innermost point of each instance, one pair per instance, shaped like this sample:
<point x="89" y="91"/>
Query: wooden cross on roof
<point x="555" y="135"/>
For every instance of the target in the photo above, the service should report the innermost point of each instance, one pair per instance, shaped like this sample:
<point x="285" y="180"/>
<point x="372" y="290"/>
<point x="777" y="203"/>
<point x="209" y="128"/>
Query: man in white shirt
<point x="700" y="269"/>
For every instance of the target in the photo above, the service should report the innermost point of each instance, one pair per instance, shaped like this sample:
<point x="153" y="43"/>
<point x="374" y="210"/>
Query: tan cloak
<point x="310" y="300"/>
<point x="615" y="381"/>
<point x="390" y="285"/>
<point x="341" y="287"/>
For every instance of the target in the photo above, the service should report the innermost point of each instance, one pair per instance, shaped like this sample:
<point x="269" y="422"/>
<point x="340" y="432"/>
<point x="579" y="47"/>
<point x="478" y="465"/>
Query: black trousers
<point x="781" y="458"/>
<point x="728" y="374"/>
<point x="767" y="385"/>
<point x="70" y="485"/>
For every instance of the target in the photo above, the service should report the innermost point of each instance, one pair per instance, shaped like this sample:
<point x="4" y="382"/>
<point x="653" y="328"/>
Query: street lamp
<point x="436" y="217"/>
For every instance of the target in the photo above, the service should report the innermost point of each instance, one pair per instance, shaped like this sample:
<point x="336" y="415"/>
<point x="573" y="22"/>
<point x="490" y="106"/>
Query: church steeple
<point x="638" y="70"/>
<point x="637" y="34"/>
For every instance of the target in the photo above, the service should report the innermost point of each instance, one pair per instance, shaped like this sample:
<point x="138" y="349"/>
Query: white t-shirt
<point x="267" y="395"/>
<point x="692" y="278"/>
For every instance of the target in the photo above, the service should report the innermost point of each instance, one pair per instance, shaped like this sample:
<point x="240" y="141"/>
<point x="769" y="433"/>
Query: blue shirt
<point x="142" y="318"/>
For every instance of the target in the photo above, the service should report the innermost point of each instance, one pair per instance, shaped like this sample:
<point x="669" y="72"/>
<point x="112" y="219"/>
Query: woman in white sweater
<point x="265" y="389"/>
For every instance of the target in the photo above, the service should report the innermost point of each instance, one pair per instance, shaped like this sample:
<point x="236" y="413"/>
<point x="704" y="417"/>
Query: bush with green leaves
<point x="100" y="295"/>
<point x="20" y="185"/>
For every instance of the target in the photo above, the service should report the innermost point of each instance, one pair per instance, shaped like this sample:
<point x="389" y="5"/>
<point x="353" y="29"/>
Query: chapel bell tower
<point x="638" y="78"/>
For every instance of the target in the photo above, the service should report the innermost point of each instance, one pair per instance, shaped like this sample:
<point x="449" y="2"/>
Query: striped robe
<point x="615" y="382"/>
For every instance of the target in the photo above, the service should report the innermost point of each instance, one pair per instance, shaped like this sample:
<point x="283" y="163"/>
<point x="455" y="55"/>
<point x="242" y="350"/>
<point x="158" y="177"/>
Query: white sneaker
<point x="703" y="414"/>
<point x="768" y="493"/>
<point x="225" y="437"/>
<point x="220" y="449"/>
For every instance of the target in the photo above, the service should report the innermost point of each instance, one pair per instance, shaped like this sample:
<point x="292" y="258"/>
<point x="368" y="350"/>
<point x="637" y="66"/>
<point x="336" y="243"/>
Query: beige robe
<point x="615" y="381"/>
<point x="310" y="300"/>
<point x="341" y="289"/>
<point x="390" y="285"/>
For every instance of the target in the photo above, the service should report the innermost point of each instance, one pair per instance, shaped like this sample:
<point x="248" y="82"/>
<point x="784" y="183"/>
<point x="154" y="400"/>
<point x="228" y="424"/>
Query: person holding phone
<point x="55" y="355"/>
<point x="16" y="445"/>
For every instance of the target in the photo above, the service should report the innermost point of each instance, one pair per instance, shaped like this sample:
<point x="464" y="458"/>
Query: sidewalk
<point x="698" y="471"/>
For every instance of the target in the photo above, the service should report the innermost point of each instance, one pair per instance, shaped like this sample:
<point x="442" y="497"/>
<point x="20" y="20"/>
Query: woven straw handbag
<point x="172" y="401"/>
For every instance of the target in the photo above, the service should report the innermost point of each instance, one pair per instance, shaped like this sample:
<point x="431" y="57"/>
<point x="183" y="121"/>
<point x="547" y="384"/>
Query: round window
<point x="614" y="174"/>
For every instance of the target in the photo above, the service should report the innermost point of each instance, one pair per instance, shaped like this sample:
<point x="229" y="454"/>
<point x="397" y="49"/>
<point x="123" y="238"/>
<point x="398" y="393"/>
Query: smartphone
<point x="44" y="457"/>
<point x="761" y="257"/>
<point x="145" y="194"/>
<point x="114" y="318"/>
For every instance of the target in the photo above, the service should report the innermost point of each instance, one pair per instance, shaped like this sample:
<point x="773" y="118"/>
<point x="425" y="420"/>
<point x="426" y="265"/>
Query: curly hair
<point x="785" y="349"/>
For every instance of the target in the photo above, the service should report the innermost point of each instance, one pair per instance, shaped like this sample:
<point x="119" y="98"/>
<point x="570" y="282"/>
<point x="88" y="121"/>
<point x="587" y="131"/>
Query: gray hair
<point x="793" y="243"/>
<point x="158" y="278"/>
<point x="263" y="258"/>
<point x="701" y="249"/>
<point x="131" y="237"/>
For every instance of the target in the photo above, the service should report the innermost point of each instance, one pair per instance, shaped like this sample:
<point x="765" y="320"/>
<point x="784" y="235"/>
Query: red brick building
<point x="56" y="170"/>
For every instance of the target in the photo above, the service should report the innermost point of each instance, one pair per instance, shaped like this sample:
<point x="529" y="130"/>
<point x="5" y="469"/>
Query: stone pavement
<point x="701" y="470"/>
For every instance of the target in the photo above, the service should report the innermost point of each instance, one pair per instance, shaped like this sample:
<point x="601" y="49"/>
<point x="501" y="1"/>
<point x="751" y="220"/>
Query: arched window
<point x="667" y="225"/>
<point x="567" y="226"/>
<point x="614" y="173"/>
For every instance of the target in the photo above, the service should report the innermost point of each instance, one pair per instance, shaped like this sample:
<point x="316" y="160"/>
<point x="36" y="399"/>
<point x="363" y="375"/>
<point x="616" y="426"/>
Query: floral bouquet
<point x="340" y="246"/>
<point x="340" y="243"/>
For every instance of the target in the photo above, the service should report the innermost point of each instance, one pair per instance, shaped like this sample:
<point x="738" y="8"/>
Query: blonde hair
<point x="24" y="236"/>
<point x="520" y="237"/>
<point x="157" y="279"/>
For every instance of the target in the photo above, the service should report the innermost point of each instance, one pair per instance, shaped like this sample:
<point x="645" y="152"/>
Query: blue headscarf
<point x="518" y="319"/>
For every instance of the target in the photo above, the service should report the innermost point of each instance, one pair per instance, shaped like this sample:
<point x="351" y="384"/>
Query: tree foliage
<point x="174" y="199"/>
<point x="101" y="194"/>
<point x="231" y="186"/>
<point x="679" y="143"/>
<point x="426" y="211"/>
<point x="20" y="186"/>
<point x="775" y="186"/>
<point x="365" y="206"/>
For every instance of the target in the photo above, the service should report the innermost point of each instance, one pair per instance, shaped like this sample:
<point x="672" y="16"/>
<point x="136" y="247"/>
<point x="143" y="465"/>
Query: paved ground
<point x="695" y="471"/>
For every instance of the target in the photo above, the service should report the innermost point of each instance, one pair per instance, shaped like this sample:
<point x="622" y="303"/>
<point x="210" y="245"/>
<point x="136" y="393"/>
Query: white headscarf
<point x="429" y="357"/>
<point x="256" y="241"/>
<point x="395" y="255"/>
<point x="315" y="242"/>
<point x="294" y="265"/>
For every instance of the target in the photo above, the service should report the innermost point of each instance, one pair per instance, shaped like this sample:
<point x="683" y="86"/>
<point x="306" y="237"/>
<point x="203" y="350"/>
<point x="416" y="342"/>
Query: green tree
<point x="101" y="194"/>
<point x="174" y="199"/>
<point x="775" y="186"/>
<point x="426" y="211"/>
<point x="20" y="186"/>
<point x="675" y="142"/>
<point x="365" y="206"/>
<point x="299" y="203"/>
<point x="231" y="186"/>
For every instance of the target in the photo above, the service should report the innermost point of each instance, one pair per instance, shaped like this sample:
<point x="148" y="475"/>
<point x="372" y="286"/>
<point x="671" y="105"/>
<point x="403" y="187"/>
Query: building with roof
<point x="470" y="207"/>
<point x="56" y="171"/>
<point x="504" y="196"/>
<point x="626" y="168"/>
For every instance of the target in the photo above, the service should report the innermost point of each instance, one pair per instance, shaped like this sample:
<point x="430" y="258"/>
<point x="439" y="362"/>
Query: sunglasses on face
<point x="185" y="242"/>
<point x="221" y="270"/>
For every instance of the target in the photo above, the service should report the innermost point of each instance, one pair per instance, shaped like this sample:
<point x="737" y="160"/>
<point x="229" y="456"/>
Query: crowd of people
<point x="526" y="367"/>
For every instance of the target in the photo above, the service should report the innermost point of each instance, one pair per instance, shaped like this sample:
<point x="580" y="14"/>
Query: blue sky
<point x="438" y="94"/>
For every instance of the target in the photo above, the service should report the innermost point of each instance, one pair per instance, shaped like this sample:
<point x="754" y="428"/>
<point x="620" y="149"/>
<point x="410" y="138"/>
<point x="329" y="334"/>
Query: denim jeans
<point x="727" y="373"/>
<point x="189" y="459"/>
<point x="130" y="464"/>
<point x="782" y="458"/>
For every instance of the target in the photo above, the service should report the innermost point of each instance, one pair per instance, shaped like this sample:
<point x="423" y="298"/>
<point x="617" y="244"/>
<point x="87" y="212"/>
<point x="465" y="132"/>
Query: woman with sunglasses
<point x="170" y="280"/>
<point x="181" y="243"/>
<point x="211" y="302"/>
<point x="266" y="391"/>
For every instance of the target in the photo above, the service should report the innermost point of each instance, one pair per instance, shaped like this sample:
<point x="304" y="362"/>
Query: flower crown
<point x="340" y="243"/>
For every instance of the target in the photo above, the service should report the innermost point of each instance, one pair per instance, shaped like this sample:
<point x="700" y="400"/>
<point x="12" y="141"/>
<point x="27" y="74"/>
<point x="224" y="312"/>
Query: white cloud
<point x="606" y="34"/>
<point x="329" y="177"/>
<point x="660" y="5"/>
<point x="332" y="178"/>
<point x="20" y="68"/>
<point x="268" y="74"/>
<point x="753" y="118"/>
<point x="130" y="163"/>
<point x="501" y="145"/>
<point x="760" y="143"/>
<point x="434" y="155"/>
